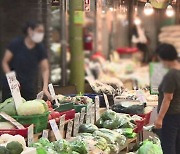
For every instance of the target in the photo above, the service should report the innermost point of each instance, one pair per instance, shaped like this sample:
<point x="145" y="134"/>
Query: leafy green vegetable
<point x="62" y="146"/>
<point x="51" y="151"/>
<point x="101" y="143"/>
<point x="111" y="124"/>
<point x="109" y="138"/>
<point x="79" y="146"/>
<point x="39" y="148"/>
<point x="4" y="150"/>
<point x="44" y="142"/>
<point x="74" y="152"/>
<point x="109" y="115"/>
<point x="87" y="128"/>
<point x="99" y="123"/>
<point x="8" y="106"/>
<point x="14" y="147"/>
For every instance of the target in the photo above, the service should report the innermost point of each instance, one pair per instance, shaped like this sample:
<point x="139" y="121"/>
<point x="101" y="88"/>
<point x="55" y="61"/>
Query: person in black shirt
<point x="168" y="119"/>
<point x="24" y="55"/>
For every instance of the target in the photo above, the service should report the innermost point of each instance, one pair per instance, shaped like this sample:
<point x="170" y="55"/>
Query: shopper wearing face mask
<point x="25" y="55"/>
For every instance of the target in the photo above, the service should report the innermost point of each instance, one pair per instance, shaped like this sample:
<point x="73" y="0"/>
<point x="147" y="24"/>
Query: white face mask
<point x="37" y="37"/>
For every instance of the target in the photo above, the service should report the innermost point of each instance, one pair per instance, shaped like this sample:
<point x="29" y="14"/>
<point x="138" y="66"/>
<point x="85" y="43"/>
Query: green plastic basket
<point x="65" y="107"/>
<point x="79" y="107"/>
<point x="40" y="121"/>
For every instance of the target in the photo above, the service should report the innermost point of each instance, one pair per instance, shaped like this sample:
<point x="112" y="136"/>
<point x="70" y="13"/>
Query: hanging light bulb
<point x="111" y="9"/>
<point x="137" y="21"/>
<point x="170" y="11"/>
<point x="148" y="9"/>
<point x="103" y="11"/>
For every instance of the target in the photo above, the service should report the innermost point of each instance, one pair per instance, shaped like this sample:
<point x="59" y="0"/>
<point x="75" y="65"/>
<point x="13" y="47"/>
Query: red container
<point x="22" y="132"/>
<point x="126" y="50"/>
<point x="147" y="117"/>
<point x="68" y="114"/>
<point x="139" y="126"/>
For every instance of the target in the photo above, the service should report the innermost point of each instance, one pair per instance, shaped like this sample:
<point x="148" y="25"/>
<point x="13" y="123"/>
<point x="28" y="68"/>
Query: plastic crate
<point x="78" y="108"/>
<point x="68" y="114"/>
<point x="39" y="121"/>
<point x="65" y="107"/>
<point x="139" y="126"/>
<point x="22" y="132"/>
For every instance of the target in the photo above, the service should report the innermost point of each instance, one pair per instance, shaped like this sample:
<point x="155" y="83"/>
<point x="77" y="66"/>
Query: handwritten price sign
<point x="14" y="87"/>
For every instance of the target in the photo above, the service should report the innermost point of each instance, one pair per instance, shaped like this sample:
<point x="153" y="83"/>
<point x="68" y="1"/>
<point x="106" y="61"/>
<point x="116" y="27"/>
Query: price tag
<point x="55" y="129"/>
<point x="14" y="87"/>
<point x="88" y="114"/>
<point x="83" y="112"/>
<point x="12" y="120"/>
<point x="141" y="96"/>
<point x="52" y="92"/>
<point x="30" y="135"/>
<point x="93" y="114"/>
<point x="106" y="101"/>
<point x="61" y="124"/>
<point x="97" y="107"/>
<point x="76" y="124"/>
<point x="45" y="134"/>
<point x="69" y="129"/>
<point x="40" y="95"/>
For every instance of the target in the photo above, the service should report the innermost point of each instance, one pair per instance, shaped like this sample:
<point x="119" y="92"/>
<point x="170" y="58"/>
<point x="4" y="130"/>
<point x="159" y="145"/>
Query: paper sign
<point x="76" y="124"/>
<point x="87" y="5"/>
<point x="55" y="129"/>
<point x="62" y="123"/>
<point x="88" y="114"/>
<point x="83" y="112"/>
<point x="141" y="97"/>
<point x="93" y="114"/>
<point x="69" y="129"/>
<point x="52" y="92"/>
<point x="97" y="107"/>
<point x="106" y="101"/>
<point x="12" y="120"/>
<point x="14" y="87"/>
<point x="40" y="95"/>
<point x="45" y="134"/>
<point x="30" y="135"/>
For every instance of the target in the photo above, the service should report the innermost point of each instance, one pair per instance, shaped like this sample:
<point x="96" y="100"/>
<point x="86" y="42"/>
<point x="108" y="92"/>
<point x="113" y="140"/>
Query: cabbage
<point x="33" y="107"/>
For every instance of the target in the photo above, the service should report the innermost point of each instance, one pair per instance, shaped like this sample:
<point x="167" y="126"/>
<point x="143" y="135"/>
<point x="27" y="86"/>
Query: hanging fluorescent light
<point x="148" y="9"/>
<point x="170" y="11"/>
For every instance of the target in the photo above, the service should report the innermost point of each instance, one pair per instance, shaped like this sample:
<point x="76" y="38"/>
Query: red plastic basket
<point x="139" y="126"/>
<point x="68" y="114"/>
<point x="22" y="132"/>
<point x="147" y="117"/>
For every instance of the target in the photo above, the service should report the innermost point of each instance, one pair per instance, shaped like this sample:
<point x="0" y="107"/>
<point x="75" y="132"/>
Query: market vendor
<point x="25" y="55"/>
<point x="169" y="101"/>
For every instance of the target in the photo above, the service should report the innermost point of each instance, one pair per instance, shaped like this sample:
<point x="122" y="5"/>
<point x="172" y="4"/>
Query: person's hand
<point x="46" y="92"/>
<point x="158" y="123"/>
